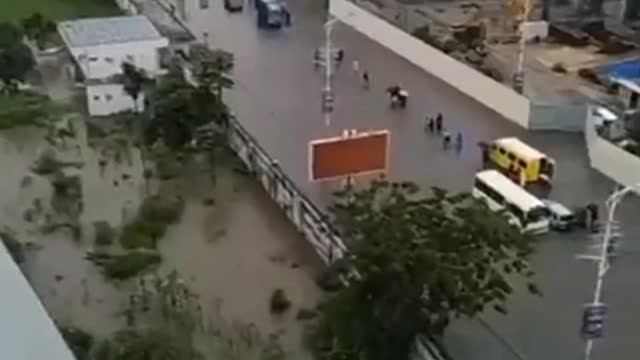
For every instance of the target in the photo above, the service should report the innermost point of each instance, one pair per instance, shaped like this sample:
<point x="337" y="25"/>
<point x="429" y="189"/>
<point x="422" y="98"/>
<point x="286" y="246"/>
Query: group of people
<point x="434" y="125"/>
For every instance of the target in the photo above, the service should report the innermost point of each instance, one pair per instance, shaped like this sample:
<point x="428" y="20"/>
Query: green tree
<point x="134" y="80"/>
<point x="422" y="260"/>
<point x="180" y="107"/>
<point x="38" y="28"/>
<point x="16" y="62"/>
<point x="145" y="345"/>
<point x="9" y="35"/>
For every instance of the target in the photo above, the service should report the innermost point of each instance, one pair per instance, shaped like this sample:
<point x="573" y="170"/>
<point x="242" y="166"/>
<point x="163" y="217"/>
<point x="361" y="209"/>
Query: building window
<point x="96" y="98"/>
<point x="109" y="60"/>
<point x="108" y="97"/>
<point x="93" y="59"/>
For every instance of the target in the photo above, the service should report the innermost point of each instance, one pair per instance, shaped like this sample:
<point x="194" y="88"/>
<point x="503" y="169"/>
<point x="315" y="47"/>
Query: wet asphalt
<point x="277" y="98"/>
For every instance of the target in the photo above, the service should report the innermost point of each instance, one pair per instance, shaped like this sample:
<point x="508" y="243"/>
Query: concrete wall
<point x="483" y="89"/>
<point x="108" y="99"/>
<point x="99" y="62"/>
<point x="614" y="162"/>
<point x="569" y="118"/>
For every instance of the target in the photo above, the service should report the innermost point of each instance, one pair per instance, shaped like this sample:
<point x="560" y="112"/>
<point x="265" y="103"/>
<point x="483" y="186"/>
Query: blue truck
<point x="272" y="14"/>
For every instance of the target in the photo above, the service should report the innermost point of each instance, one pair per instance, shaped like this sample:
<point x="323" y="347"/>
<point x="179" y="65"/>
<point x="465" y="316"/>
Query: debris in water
<point x="148" y="173"/>
<point x="295" y="265"/>
<point x="209" y="201"/>
<point x="279" y="302"/>
<point x="104" y="233"/>
<point x="102" y="162"/>
<point x="306" y="314"/>
<point x="28" y="215"/>
<point x="58" y="277"/>
<point x="67" y="184"/>
<point x="126" y="176"/>
<point x="27" y="180"/>
<point x="37" y="205"/>
<point x="115" y="183"/>
<point x="278" y="259"/>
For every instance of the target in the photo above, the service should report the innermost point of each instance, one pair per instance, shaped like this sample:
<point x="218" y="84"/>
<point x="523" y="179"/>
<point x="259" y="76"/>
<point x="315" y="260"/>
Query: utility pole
<point x="329" y="54"/>
<point x="595" y="312"/>
<point x="523" y="7"/>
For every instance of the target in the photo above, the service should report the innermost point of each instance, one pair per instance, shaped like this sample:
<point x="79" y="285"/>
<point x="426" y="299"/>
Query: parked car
<point x="561" y="217"/>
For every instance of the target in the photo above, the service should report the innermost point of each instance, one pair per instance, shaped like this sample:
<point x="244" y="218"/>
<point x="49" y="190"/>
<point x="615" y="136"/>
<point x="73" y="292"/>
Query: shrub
<point x="162" y="209"/>
<point x="142" y="234"/>
<point x="79" y="341"/>
<point x="122" y="267"/>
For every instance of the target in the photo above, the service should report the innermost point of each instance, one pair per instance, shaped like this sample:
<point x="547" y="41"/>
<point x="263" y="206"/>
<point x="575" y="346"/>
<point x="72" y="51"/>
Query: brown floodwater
<point x="234" y="253"/>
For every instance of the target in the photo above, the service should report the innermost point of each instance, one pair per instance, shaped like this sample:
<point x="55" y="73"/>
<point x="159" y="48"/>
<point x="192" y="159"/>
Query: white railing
<point x="304" y="215"/>
<point x="611" y="160"/>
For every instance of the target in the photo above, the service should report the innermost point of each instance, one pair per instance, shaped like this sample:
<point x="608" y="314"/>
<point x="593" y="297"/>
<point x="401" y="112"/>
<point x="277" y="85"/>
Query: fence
<point x="471" y="82"/>
<point x="611" y="160"/>
<point x="569" y="118"/>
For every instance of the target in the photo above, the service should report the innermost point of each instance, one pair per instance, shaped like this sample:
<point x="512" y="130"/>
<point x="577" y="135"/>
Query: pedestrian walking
<point x="339" y="56"/>
<point x="429" y="124"/>
<point x="356" y="67"/>
<point x="365" y="79"/>
<point x="439" y="121"/>
<point x="446" y="140"/>
<point x="459" y="142"/>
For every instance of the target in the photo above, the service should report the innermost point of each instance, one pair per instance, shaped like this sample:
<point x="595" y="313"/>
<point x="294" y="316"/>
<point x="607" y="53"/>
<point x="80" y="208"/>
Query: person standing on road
<point x="459" y="142"/>
<point x="428" y="124"/>
<point x="446" y="140"/>
<point x="439" y="121"/>
<point x="365" y="79"/>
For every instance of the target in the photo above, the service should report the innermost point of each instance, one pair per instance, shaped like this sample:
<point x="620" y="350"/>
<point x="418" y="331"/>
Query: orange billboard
<point x="349" y="155"/>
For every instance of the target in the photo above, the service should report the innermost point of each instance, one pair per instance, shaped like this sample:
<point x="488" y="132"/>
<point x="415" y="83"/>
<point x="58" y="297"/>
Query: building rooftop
<point x="109" y="30"/>
<point x="28" y="333"/>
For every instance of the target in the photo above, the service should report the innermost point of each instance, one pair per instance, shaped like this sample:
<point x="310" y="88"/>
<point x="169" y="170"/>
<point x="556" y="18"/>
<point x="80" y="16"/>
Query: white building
<point x="99" y="46"/>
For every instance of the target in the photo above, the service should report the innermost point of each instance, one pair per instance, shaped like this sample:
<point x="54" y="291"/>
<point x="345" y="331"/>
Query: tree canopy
<point x="180" y="107"/>
<point x="38" y="28"/>
<point x="134" y="81"/>
<point x="421" y="261"/>
<point x="16" y="59"/>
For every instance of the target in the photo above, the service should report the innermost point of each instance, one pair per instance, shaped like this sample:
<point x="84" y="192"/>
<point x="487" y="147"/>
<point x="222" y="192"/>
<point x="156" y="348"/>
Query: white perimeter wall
<point x="611" y="160"/>
<point x="108" y="99"/>
<point x="103" y="61"/>
<point x="483" y="89"/>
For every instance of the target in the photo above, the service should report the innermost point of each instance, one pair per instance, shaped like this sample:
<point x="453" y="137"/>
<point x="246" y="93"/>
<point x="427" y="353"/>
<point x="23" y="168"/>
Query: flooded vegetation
<point x="112" y="243"/>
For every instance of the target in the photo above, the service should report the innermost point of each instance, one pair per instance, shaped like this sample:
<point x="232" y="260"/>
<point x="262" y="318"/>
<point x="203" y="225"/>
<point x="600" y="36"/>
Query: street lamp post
<point x="594" y="314"/>
<point x="327" y="93"/>
<point x="523" y="10"/>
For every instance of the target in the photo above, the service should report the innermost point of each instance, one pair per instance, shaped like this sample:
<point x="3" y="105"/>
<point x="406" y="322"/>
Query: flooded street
<point x="232" y="245"/>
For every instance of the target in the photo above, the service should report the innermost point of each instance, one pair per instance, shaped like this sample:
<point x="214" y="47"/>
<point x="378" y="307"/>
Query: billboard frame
<point x="346" y="135"/>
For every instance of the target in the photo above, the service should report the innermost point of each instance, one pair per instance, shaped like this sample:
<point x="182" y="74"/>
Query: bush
<point x="142" y="234"/>
<point x="79" y="341"/>
<point x="122" y="267"/>
<point x="162" y="209"/>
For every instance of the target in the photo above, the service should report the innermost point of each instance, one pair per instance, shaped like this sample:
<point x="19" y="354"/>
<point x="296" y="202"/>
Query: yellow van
<point x="520" y="160"/>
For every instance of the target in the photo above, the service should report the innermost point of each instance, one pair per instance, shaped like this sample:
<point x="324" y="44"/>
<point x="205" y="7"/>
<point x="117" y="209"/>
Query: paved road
<point x="278" y="101"/>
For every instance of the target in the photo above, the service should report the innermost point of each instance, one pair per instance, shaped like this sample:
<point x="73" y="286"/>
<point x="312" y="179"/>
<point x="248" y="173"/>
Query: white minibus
<point x="500" y="193"/>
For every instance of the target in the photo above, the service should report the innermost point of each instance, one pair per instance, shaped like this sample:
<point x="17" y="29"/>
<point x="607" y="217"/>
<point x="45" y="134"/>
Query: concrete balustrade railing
<point x="466" y="79"/>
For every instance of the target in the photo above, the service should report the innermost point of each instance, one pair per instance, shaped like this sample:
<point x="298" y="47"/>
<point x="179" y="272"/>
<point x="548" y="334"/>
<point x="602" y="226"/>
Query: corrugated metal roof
<point x="27" y="332"/>
<point x="109" y="30"/>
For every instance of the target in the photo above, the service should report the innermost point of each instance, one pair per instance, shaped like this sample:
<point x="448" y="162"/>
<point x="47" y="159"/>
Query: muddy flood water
<point x="233" y="250"/>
